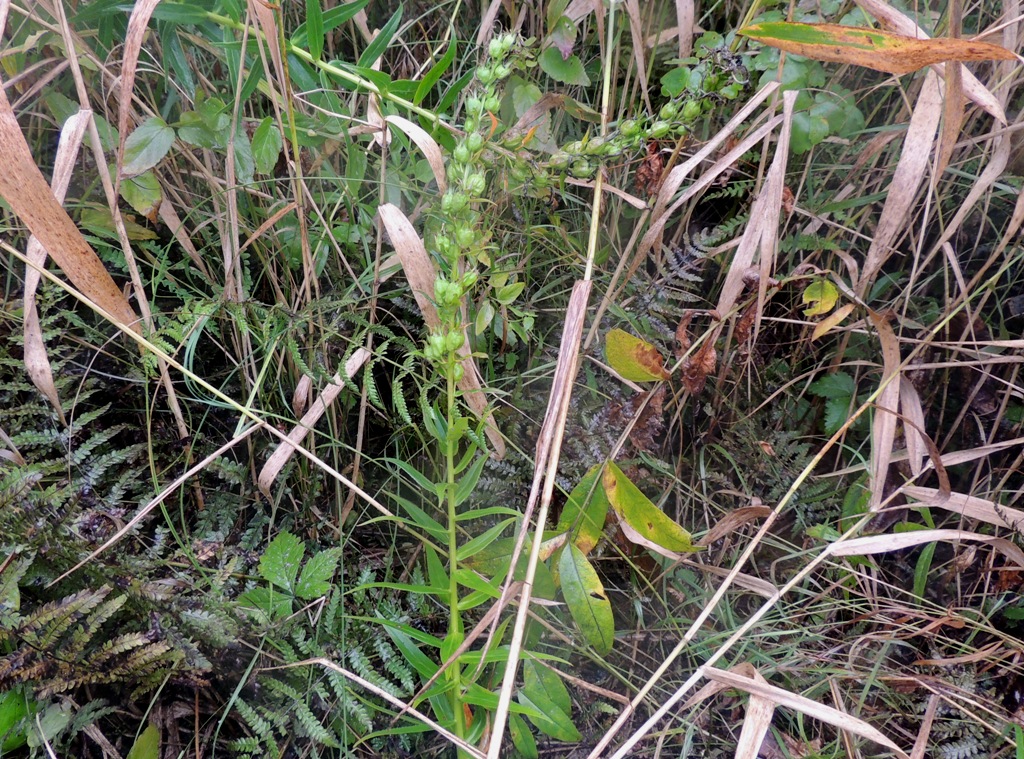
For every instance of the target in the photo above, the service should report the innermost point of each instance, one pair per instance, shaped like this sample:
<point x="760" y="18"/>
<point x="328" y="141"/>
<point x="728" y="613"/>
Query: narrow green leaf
<point x="435" y="73"/>
<point x="180" y="13"/>
<point x="332" y="19"/>
<point x="245" y="166"/>
<point x="586" y="599"/>
<point x="380" y="43"/>
<point x="315" y="580"/>
<point x="280" y="562"/>
<point x="146" y="146"/>
<point x="480" y="542"/>
<point x="266" y="145"/>
<point x="467" y="484"/>
<point x="548" y="718"/>
<point x="537" y="677"/>
<point x="522" y="738"/>
<point x="315" y="29"/>
<point x="147" y="746"/>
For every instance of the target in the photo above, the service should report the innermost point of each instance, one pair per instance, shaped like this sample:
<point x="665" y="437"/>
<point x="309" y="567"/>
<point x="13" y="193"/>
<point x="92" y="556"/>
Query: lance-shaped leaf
<point x="584" y="595"/>
<point x="873" y="49"/>
<point x="641" y="521"/>
<point x="585" y="511"/>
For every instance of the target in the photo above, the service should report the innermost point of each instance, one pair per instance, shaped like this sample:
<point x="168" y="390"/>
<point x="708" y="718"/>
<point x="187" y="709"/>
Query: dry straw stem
<point x="284" y="451"/>
<point x="420" y="272"/>
<point x="746" y="678"/>
<point x="873" y="544"/>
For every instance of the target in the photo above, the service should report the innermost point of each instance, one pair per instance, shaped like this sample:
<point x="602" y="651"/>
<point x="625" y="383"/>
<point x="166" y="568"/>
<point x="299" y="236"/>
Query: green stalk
<point x="455" y="629"/>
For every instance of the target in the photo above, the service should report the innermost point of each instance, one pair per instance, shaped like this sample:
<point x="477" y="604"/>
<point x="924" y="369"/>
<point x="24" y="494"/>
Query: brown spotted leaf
<point x="870" y="48"/>
<point x="633" y="358"/>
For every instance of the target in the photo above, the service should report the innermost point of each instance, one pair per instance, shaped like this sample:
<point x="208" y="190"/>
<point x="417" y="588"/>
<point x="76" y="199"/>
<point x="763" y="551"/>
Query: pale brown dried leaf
<point x="28" y="194"/>
<point x="883" y="427"/>
<point x="906" y="179"/>
<point x="283" y="453"/>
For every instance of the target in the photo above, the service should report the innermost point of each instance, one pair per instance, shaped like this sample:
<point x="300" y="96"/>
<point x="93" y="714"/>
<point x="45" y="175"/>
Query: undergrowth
<point x="368" y="241"/>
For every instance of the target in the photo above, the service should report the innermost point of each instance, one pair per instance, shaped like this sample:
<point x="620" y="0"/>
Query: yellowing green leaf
<point x="873" y="49"/>
<point x="584" y="595"/>
<point x="822" y="294"/>
<point x="641" y="521"/>
<point x="147" y="746"/>
<point x="585" y="517"/>
<point x="633" y="358"/>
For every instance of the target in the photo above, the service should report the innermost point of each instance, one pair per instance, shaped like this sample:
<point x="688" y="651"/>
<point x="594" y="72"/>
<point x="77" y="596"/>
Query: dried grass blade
<point x="897" y="541"/>
<point x="917" y="446"/>
<point x="137" y="25"/>
<point x="636" y="35"/>
<point x="894" y="21"/>
<point x="804" y="705"/>
<point x="883" y="427"/>
<point x="427" y="144"/>
<point x="969" y="506"/>
<point x="761" y="233"/>
<point x="906" y="179"/>
<point x="283" y="453"/>
<point x="28" y="194"/>
<point x="419" y="270"/>
<point x="756" y="721"/>
<point x="37" y="363"/>
<point x="685" y="16"/>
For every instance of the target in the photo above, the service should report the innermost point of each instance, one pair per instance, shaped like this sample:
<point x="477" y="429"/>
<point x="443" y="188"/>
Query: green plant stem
<point x="455" y="629"/>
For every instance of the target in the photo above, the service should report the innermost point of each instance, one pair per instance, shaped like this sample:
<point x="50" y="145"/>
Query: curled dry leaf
<point x="870" y="48"/>
<point x="697" y="367"/>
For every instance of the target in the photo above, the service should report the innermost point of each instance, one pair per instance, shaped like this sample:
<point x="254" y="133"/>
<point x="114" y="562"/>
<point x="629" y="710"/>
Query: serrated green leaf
<point x="315" y="580"/>
<point x="142" y="192"/>
<point x="266" y="145"/>
<point x="584" y="595"/>
<point x="565" y="70"/>
<point x="147" y="746"/>
<point x="280" y="563"/>
<point x="640" y="520"/>
<point x="837" y="385"/>
<point x="146" y="146"/>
